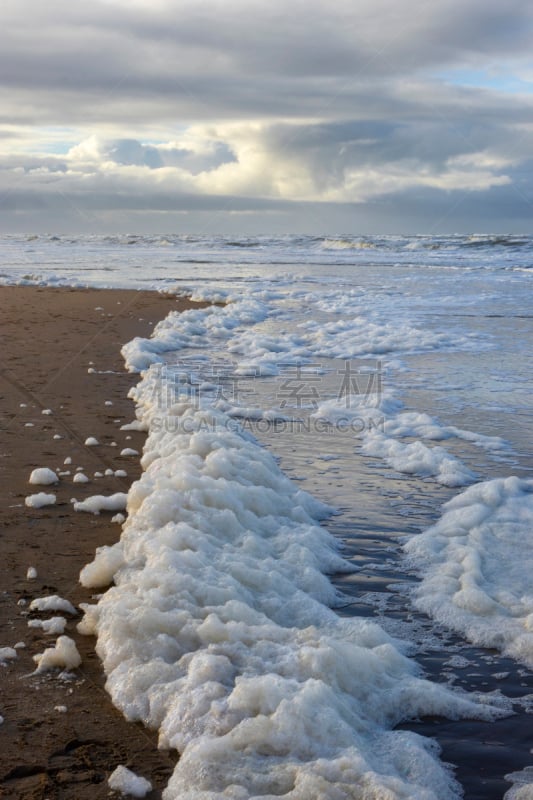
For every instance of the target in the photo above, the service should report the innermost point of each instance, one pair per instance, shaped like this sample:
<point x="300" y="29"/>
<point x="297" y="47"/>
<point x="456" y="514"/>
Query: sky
<point x="266" y="116"/>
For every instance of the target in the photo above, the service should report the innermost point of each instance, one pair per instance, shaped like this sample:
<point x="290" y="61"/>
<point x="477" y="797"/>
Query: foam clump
<point x="91" y="441"/>
<point x="476" y="564"/>
<point x="52" y="603"/>
<point x="54" y="626"/>
<point x="100" y="571"/>
<point x="522" y="788"/>
<point x="126" y="782"/>
<point x="380" y="422"/>
<point x="135" y="425"/>
<point x="416" y="458"/>
<point x="43" y="476"/>
<point x="99" y="502"/>
<point x="192" y="328"/>
<point x="80" y="477"/>
<point x="64" y="654"/>
<point x="40" y="500"/>
<point x="7" y="654"/>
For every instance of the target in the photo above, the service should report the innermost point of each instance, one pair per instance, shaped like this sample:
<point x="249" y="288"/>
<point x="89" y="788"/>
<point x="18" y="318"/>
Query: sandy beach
<point x="61" y="738"/>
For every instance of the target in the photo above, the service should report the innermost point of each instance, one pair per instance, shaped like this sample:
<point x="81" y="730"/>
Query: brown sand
<point x="49" y="338"/>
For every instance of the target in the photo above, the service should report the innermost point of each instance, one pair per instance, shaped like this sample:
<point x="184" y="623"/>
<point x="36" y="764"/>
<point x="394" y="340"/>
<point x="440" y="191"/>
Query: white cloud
<point x="294" y="163"/>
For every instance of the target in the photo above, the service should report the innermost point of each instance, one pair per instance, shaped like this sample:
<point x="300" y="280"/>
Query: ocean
<point x="323" y="587"/>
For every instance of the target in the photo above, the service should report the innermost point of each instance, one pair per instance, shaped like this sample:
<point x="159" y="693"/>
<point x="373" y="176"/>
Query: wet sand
<point x="61" y="737"/>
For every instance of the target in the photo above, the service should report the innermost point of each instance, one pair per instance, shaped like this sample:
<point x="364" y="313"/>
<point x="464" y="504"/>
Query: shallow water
<point x="388" y="510"/>
<point x="380" y="510"/>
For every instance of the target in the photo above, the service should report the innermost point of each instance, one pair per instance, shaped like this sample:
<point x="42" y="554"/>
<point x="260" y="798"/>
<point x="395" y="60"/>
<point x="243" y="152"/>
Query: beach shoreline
<point x="61" y="737"/>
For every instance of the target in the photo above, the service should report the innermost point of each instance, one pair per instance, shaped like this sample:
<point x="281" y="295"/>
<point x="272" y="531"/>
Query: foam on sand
<point x="43" y="476"/>
<point x="52" y="627"/>
<point x="126" y="782"/>
<point x="99" y="502"/>
<point x="52" y="603"/>
<point x="40" y="500"/>
<point x="64" y="654"/>
<point x="218" y="631"/>
<point x="7" y="654"/>
<point x="476" y="565"/>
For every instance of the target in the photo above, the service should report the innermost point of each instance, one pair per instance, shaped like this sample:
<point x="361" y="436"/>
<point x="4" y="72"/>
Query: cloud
<point x="176" y="104"/>
<point x="212" y="60"/>
<point x="336" y="162"/>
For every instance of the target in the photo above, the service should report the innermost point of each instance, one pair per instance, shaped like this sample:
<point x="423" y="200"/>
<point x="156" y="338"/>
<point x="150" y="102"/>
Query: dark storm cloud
<point x="235" y="58"/>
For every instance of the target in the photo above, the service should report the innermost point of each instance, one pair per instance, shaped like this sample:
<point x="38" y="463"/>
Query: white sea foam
<point x="40" y="500"/>
<point x="7" y="654"/>
<point x="416" y="458"/>
<point x="218" y="632"/>
<point x="476" y="566"/>
<point x="63" y="654"/>
<point x="382" y="423"/>
<point x="43" y="476"/>
<point x="194" y="328"/>
<point x="259" y="350"/>
<point x="52" y="603"/>
<point x="52" y="627"/>
<point x="126" y="782"/>
<point x="361" y="336"/>
<point x="99" y="502"/>
<point x="135" y="425"/>
<point x="522" y="788"/>
<point x="99" y="573"/>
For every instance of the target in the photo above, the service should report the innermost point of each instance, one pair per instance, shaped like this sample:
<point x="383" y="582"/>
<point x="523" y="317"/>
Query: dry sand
<point x="49" y="339"/>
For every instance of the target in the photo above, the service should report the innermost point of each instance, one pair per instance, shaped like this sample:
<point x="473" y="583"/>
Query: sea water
<point x="332" y="535"/>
